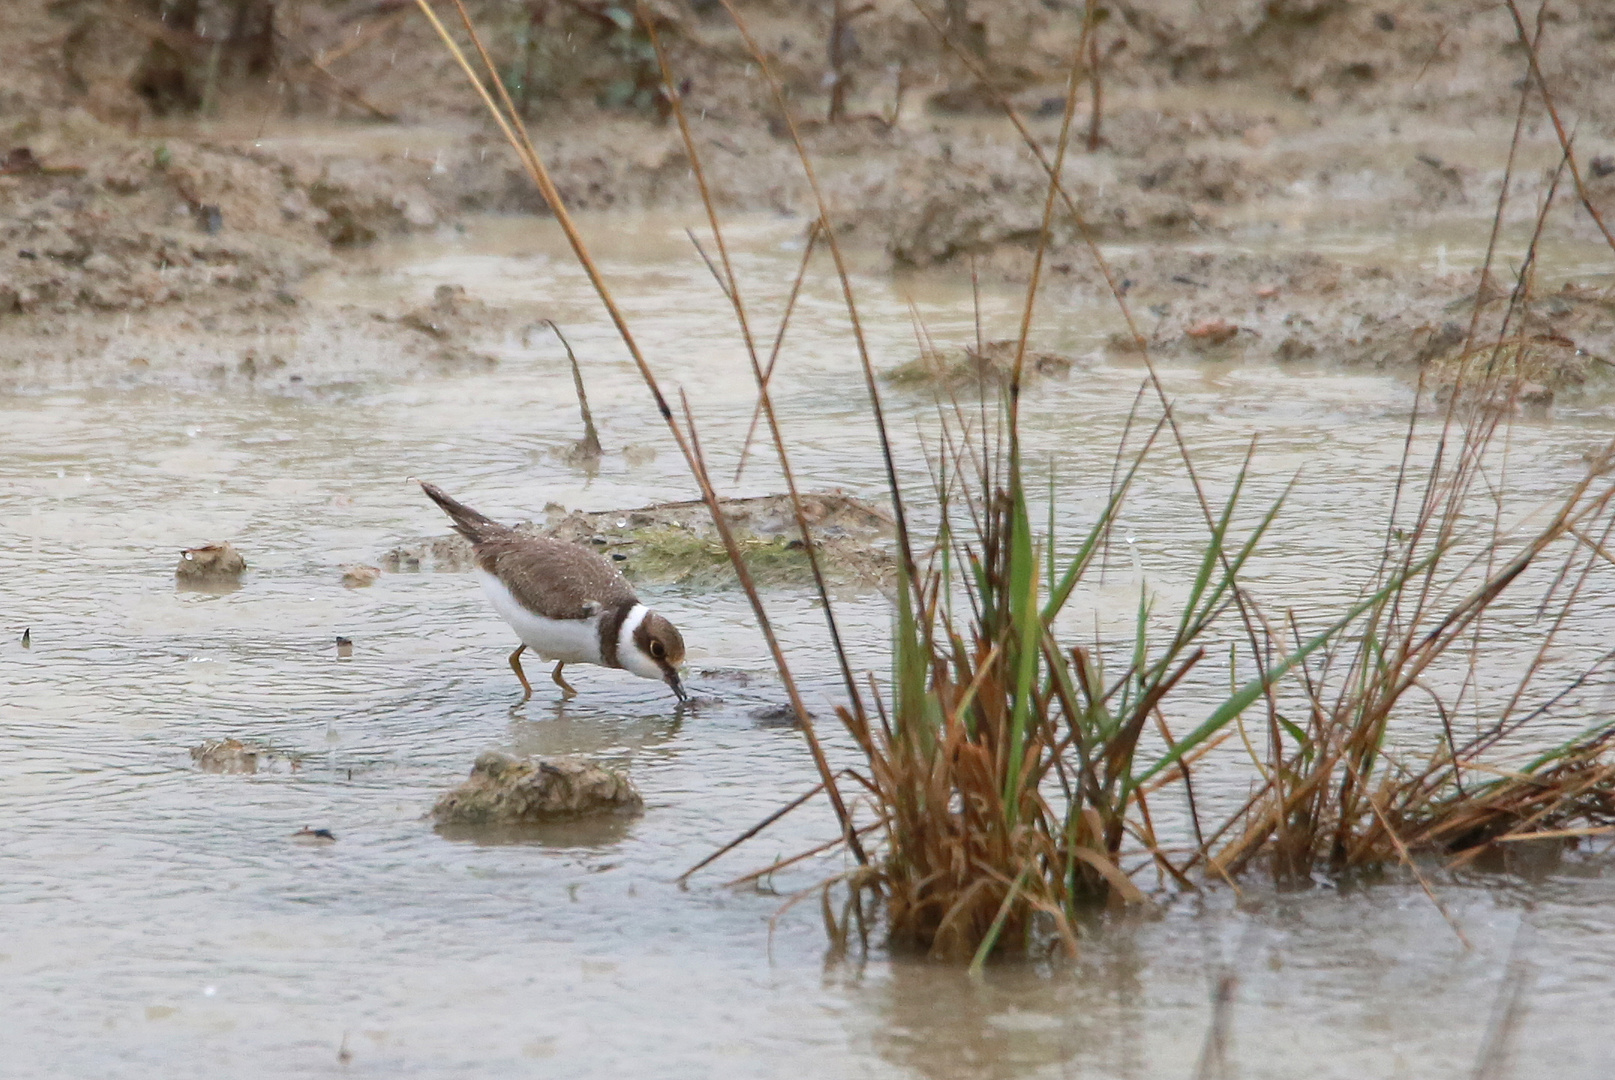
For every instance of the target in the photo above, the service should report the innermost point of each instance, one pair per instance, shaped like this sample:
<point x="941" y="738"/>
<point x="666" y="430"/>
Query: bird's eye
<point x="657" y="650"/>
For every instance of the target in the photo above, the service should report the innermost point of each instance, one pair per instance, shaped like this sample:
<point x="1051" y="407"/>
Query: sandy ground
<point x="168" y="184"/>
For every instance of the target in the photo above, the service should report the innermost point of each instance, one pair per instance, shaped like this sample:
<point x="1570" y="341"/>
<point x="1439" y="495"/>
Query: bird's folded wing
<point x="553" y="578"/>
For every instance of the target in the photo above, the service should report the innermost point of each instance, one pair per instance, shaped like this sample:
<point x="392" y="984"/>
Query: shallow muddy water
<point x="161" y="922"/>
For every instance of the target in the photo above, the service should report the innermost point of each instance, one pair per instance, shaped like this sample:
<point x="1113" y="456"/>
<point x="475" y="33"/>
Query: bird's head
<point x="655" y="651"/>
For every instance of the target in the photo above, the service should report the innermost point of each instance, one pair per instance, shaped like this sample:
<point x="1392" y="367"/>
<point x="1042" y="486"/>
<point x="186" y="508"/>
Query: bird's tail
<point x="467" y="522"/>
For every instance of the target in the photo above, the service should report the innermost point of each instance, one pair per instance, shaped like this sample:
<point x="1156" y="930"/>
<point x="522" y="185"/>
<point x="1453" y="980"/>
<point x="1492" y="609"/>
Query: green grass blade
<point x="1256" y="688"/>
<point x="1027" y="627"/>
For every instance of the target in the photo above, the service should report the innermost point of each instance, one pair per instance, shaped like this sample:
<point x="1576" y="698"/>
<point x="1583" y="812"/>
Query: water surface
<point x="160" y="921"/>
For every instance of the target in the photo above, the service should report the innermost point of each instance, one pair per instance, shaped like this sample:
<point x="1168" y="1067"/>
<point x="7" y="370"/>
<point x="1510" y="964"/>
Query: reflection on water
<point x="595" y="833"/>
<point x="164" y="922"/>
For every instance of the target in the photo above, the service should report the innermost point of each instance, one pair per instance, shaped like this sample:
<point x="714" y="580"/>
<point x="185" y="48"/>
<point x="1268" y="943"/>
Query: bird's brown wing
<point x="554" y="578"/>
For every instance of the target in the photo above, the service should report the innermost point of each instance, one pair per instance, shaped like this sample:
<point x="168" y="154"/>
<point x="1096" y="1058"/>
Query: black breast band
<point x="610" y="629"/>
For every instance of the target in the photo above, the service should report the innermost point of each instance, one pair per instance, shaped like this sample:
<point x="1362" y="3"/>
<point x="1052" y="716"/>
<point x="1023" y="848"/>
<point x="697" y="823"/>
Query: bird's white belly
<point x="572" y="641"/>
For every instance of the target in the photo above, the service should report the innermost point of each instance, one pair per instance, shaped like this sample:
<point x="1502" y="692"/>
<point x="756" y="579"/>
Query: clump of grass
<point x="1013" y="772"/>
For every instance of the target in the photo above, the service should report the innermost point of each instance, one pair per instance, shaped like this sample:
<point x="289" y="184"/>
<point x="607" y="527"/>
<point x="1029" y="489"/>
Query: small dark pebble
<point x="1384" y="20"/>
<point x="1601" y="166"/>
<point x="26" y="254"/>
<point x="619" y="556"/>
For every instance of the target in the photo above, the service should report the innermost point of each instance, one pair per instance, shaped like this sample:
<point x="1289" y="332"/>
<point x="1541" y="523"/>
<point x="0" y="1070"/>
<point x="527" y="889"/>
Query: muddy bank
<point x="99" y="219"/>
<point x="1221" y="305"/>
<point x="286" y="345"/>
<point x="173" y="177"/>
<point x="1292" y="308"/>
<point x="676" y="544"/>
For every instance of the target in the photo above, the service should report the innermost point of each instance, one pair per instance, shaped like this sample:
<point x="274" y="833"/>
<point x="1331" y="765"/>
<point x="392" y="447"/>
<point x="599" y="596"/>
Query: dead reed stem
<point x="590" y="446"/>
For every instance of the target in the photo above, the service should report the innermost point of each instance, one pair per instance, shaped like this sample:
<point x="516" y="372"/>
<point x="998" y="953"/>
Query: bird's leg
<point x="566" y="687"/>
<point x="516" y="666"/>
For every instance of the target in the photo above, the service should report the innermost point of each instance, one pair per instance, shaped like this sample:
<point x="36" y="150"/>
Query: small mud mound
<point x="232" y="756"/>
<point x="1560" y="343"/>
<point x="505" y="790"/>
<point x="676" y="544"/>
<point x="990" y="366"/>
<point x="359" y="576"/>
<point x="210" y="568"/>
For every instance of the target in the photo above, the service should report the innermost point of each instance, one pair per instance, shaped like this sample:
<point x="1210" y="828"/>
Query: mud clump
<point x="778" y="715"/>
<point x="450" y="317"/>
<point x="212" y="566"/>
<point x="675" y="543"/>
<point x="992" y="365"/>
<point x="360" y="577"/>
<point x="506" y="790"/>
<point x="234" y="757"/>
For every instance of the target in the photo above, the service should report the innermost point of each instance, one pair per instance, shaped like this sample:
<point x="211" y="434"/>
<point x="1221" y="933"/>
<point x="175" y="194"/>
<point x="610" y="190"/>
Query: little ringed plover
<point x="565" y="602"/>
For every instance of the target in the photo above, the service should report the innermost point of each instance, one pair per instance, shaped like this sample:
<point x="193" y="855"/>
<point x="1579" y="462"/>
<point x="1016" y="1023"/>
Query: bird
<point x="566" y="603"/>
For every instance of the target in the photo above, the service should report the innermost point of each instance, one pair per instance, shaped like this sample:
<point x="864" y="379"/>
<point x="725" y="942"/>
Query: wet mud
<point x="163" y="196"/>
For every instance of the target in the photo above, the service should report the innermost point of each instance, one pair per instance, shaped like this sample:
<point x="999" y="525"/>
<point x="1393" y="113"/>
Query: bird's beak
<point x="672" y="680"/>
